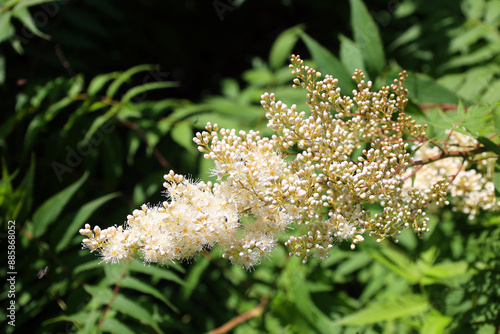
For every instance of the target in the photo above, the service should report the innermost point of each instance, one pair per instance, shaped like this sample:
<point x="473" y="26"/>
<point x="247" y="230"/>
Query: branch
<point x="161" y="159"/>
<point x="115" y="292"/>
<point x="253" y="313"/>
<point x="443" y="155"/>
<point x="443" y="106"/>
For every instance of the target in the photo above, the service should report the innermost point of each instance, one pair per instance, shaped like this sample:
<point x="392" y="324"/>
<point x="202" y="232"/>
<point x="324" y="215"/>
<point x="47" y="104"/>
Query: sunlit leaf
<point x="282" y="47"/>
<point x="496" y="117"/>
<point x="24" y="192"/>
<point x="399" y="307"/>
<point x="182" y="134"/>
<point x="435" y="323"/>
<point x="50" y="210"/>
<point x="350" y="55"/>
<point x="496" y="177"/>
<point x="293" y="282"/>
<point x="367" y="37"/>
<point x="115" y="326"/>
<point x="193" y="278"/>
<point x="490" y="146"/>
<point x="125" y="76"/>
<point x="328" y="63"/>
<point x="23" y="14"/>
<point x="99" y="81"/>
<point x="138" y="90"/>
<point x="134" y="310"/>
<point x="258" y="76"/>
<point x="425" y="90"/>
<point x="398" y="262"/>
<point x="80" y="219"/>
<point x="135" y="284"/>
<point x="6" y="28"/>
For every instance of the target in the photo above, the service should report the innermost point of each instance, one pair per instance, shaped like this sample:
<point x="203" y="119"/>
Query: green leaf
<point x="22" y="13"/>
<point x="36" y="124"/>
<point x="435" y="323"/>
<point x="350" y="55"/>
<point x="230" y="89"/>
<point x="473" y="9"/>
<point x="101" y="293"/>
<point x="133" y="92"/>
<point x="328" y="63"/>
<point x="492" y="13"/>
<point x="134" y="310"/>
<point x="55" y="108"/>
<point x="260" y="76"/>
<point x="84" y="318"/>
<point x="378" y="278"/>
<point x="398" y="262"/>
<point x="243" y="112"/>
<point x="134" y="283"/>
<point x="409" y="35"/>
<point x="6" y="28"/>
<point x="80" y="218"/>
<point x="443" y="271"/>
<point x="2" y="68"/>
<point x="496" y="118"/>
<point x="283" y="45"/>
<point x="6" y="188"/>
<point x="99" y="82"/>
<point x="423" y="89"/>
<point x="403" y="306"/>
<point x="31" y="3"/>
<point x="367" y="37"/>
<point x="193" y="278"/>
<point x="125" y="76"/>
<point x="353" y="263"/>
<point x="134" y="141"/>
<point x="158" y="272"/>
<point x="115" y="326"/>
<point x="282" y="76"/>
<point x="78" y="114"/>
<point x="6" y="181"/>
<point x="77" y="83"/>
<point x="292" y="280"/>
<point x="468" y="36"/>
<point x="490" y="146"/>
<point x="477" y="82"/>
<point x="182" y="134"/>
<point x="476" y="120"/>
<point x="99" y="124"/>
<point x="86" y="266"/>
<point x="17" y="46"/>
<point x="49" y="211"/>
<point x="492" y="93"/>
<point x="496" y="177"/>
<point x="24" y="193"/>
<point x="112" y="157"/>
<point x="483" y="54"/>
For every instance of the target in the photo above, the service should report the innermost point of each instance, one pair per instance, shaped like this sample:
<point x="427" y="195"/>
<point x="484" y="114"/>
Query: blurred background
<point x="100" y="99"/>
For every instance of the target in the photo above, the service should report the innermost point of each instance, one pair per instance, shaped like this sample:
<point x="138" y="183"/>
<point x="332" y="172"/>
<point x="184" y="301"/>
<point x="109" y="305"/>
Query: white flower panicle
<point x="200" y="215"/>
<point x="321" y="170"/>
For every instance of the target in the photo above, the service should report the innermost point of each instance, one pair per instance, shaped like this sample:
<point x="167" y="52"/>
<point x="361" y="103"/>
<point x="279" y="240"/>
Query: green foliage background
<point x="100" y="99"/>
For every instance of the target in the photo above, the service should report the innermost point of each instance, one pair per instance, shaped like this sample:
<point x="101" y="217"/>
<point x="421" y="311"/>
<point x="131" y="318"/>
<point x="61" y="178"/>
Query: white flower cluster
<point x="472" y="189"/>
<point x="321" y="170"/>
<point x="199" y="215"/>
